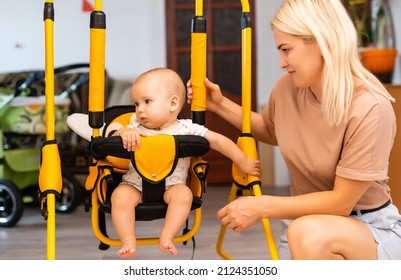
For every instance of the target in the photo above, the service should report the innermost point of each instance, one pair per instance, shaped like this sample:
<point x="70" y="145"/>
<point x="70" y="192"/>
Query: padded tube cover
<point x="188" y="146"/>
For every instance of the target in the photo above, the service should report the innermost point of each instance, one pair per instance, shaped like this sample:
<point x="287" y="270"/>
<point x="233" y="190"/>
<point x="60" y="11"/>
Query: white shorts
<point x="385" y="225"/>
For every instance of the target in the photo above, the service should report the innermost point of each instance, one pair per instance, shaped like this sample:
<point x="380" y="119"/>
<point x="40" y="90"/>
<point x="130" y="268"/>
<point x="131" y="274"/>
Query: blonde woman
<point x="335" y="126"/>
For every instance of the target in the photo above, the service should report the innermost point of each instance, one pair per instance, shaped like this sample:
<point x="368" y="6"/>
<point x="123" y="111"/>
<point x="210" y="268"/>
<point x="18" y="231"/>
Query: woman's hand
<point x="241" y="213"/>
<point x="214" y="97"/>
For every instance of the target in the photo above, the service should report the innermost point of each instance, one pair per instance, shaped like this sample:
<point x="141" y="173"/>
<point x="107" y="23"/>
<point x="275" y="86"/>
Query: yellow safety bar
<point x="198" y="64"/>
<point x="50" y="178"/>
<point x="246" y="142"/>
<point x="97" y="68"/>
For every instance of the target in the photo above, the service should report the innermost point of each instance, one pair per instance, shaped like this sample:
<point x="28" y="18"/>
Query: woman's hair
<point x="328" y="22"/>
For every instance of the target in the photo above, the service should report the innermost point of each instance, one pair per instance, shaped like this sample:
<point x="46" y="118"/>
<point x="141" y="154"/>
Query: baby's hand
<point x="251" y="167"/>
<point x="130" y="138"/>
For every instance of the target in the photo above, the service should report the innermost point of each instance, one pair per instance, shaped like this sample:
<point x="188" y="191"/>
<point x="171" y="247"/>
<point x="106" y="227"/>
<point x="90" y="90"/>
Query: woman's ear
<point x="174" y="103"/>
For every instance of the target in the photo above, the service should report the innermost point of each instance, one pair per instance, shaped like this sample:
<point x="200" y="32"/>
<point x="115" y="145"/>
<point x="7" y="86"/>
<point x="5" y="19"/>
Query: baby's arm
<point x="225" y="146"/>
<point x="130" y="137"/>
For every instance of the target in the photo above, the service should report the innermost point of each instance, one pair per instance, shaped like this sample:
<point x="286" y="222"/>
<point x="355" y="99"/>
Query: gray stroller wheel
<point x="11" y="204"/>
<point x="70" y="195"/>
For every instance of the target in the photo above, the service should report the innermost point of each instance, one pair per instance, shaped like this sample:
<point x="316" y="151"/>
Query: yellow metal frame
<point x="246" y="143"/>
<point x="144" y="240"/>
<point x="50" y="178"/>
<point x="50" y="185"/>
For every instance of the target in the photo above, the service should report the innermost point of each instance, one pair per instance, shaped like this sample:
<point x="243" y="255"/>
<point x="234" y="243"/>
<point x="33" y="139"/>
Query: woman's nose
<point x="283" y="63"/>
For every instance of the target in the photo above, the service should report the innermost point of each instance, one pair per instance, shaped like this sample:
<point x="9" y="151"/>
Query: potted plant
<point x="374" y="23"/>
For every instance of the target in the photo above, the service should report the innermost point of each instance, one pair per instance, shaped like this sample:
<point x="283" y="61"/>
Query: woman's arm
<point x="246" y="211"/>
<point x="231" y="111"/>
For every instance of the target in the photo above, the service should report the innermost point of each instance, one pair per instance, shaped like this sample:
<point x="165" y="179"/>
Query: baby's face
<point x="153" y="105"/>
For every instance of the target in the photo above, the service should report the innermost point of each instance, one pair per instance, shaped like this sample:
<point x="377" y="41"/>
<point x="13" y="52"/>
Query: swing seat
<point x="155" y="161"/>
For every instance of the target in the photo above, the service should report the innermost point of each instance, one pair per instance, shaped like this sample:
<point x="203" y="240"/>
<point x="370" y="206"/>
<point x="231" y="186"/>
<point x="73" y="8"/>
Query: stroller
<point x="22" y="129"/>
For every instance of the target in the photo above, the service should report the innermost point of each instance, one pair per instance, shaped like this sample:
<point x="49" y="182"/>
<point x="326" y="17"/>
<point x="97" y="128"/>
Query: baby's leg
<point x="124" y="199"/>
<point x="179" y="200"/>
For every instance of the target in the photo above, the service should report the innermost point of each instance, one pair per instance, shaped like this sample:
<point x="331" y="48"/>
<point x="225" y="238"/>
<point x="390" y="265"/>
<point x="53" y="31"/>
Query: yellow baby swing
<point x="109" y="158"/>
<point x="158" y="154"/>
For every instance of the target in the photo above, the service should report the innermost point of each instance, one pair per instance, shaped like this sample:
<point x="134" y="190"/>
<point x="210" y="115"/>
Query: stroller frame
<point x="21" y="129"/>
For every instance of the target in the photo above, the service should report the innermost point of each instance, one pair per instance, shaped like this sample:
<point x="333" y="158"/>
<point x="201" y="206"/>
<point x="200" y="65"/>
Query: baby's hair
<point x="169" y="80"/>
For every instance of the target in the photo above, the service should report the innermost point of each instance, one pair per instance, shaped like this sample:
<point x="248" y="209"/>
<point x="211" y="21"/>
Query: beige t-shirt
<point x="315" y="151"/>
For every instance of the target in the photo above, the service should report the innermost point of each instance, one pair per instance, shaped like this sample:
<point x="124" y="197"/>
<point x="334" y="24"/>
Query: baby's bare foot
<point x="168" y="247"/>
<point x="128" y="249"/>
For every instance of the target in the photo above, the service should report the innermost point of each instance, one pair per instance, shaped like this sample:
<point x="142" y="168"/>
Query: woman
<point x="335" y="126"/>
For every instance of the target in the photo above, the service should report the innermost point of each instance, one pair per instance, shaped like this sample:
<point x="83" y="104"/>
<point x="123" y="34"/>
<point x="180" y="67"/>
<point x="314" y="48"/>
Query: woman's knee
<point x="307" y="237"/>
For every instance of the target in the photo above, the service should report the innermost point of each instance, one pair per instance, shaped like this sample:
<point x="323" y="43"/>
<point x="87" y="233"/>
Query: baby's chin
<point x="148" y="126"/>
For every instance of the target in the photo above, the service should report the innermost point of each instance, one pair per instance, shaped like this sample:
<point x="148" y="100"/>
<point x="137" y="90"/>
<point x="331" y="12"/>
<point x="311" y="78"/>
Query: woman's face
<point x="303" y="60"/>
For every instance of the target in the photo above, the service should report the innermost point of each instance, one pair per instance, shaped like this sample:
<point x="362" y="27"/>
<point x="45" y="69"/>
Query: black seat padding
<point x="187" y="146"/>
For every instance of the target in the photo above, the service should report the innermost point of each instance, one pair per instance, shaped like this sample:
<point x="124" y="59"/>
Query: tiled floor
<point x="75" y="238"/>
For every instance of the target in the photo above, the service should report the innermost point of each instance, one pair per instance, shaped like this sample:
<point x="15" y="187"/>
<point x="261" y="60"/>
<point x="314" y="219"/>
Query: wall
<point x="135" y="41"/>
<point x="131" y="44"/>
<point x="396" y="12"/>
<point x="267" y="71"/>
